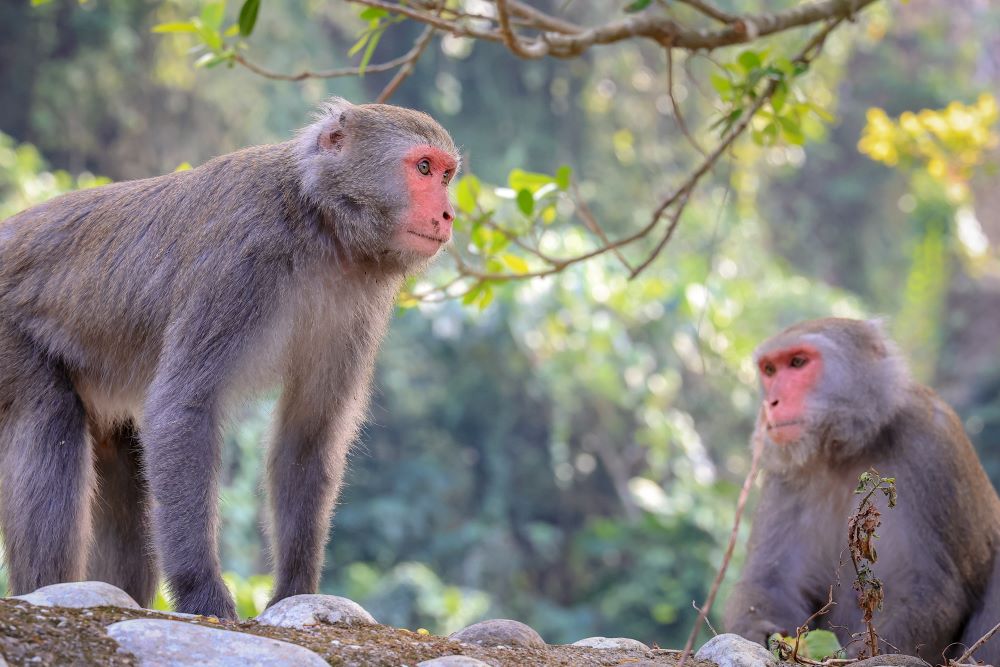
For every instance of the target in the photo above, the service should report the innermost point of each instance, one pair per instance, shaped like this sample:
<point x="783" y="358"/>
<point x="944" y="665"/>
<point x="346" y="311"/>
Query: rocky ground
<point x="334" y="631"/>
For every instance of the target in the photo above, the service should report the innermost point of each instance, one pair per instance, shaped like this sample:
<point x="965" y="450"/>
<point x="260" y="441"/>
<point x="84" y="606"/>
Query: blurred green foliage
<point x="567" y="452"/>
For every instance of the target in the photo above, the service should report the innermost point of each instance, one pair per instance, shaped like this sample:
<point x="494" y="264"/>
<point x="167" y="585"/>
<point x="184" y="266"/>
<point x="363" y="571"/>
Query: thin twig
<point x="678" y="116"/>
<point x="323" y="74"/>
<point x="982" y="640"/>
<point x="805" y="626"/>
<point x="758" y="448"/>
<point x="407" y="69"/>
<point x="675" y="220"/>
<point x="591" y="222"/>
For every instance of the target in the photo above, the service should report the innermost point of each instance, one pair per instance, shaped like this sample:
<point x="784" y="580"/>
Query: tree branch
<point x="660" y="29"/>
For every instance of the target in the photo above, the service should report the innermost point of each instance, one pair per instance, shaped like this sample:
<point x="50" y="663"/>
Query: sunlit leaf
<point x="563" y="176"/>
<point x="486" y="296"/>
<point x="366" y="58"/>
<point x="518" y="179"/>
<point x="516" y="264"/>
<point x="372" y="14"/>
<point x="791" y="130"/>
<point x="178" y="26"/>
<point x="212" y="14"/>
<point x="183" y="166"/>
<point x="467" y="193"/>
<point x="360" y="44"/>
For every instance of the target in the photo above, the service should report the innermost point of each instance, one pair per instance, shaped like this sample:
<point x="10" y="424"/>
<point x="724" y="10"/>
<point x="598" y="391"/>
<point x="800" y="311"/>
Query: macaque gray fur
<point x="132" y="316"/>
<point x="937" y="549"/>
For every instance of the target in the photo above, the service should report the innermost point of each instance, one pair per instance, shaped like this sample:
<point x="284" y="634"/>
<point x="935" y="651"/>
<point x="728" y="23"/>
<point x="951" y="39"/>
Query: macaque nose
<point x="446" y="215"/>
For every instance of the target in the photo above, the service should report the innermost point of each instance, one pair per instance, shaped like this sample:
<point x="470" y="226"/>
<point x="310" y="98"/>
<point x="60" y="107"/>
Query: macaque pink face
<point x="788" y="376"/>
<point x="427" y="224"/>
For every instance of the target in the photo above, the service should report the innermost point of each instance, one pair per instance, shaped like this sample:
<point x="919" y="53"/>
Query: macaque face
<point x="788" y="377"/>
<point x="426" y="223"/>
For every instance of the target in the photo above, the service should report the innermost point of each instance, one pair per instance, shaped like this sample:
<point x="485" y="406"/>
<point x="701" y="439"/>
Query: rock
<point x="453" y="661"/>
<point x="499" y="632"/>
<point x="612" y="642"/>
<point x="300" y="611"/>
<point x="891" y="660"/>
<point x="731" y="650"/>
<point x="162" y="643"/>
<point x="80" y="594"/>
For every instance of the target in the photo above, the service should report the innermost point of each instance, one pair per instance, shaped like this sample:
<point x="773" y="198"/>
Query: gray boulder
<point x="300" y="611"/>
<point x="162" y="643"/>
<point x="499" y="632"/>
<point x="729" y="650"/>
<point x="612" y="642"/>
<point x="80" y="594"/>
<point x="453" y="661"/>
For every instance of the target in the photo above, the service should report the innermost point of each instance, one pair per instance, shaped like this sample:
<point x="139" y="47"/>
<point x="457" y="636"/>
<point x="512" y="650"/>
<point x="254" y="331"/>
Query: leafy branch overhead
<point x="538" y="225"/>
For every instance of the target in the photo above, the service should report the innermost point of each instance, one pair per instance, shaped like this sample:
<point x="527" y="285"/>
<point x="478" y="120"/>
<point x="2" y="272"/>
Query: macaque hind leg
<point x="122" y="552"/>
<point x="46" y="471"/>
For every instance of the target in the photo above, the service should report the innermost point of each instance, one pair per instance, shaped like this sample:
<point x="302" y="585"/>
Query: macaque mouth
<point x="427" y="236"/>
<point x="787" y="422"/>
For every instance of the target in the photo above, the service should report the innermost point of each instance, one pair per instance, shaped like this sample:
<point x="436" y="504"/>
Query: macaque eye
<point x="798" y="361"/>
<point x="424" y="166"/>
<point x="447" y="176"/>
<point x="768" y="369"/>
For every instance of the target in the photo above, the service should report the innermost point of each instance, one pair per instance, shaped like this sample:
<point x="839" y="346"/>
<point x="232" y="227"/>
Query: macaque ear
<point x="331" y="138"/>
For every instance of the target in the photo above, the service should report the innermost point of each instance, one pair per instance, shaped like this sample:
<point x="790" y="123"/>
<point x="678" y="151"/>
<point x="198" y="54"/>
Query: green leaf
<point x="486" y="297"/>
<point x="212" y="38"/>
<point x="175" y="27"/>
<point x="248" y="16"/>
<point x="779" y="97"/>
<point x="472" y="294"/>
<point x="467" y="193"/>
<point x="637" y="6"/>
<point x="358" y="45"/>
<point x="518" y="179"/>
<point x="749" y="61"/>
<point x="366" y="58"/>
<point x="563" y="176"/>
<point x="525" y="201"/>
<point x="36" y="3"/>
<point x="516" y="264"/>
<point x="373" y="14"/>
<point x="820" y="111"/>
<point x="792" y="131"/>
<point x="213" y="13"/>
<point x="820" y="644"/>
<point x="210" y="60"/>
<point x="721" y="83"/>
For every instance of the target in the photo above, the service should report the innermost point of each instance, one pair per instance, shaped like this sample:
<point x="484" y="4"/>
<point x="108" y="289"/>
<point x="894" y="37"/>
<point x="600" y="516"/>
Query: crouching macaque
<point x="132" y="315"/>
<point x="838" y="400"/>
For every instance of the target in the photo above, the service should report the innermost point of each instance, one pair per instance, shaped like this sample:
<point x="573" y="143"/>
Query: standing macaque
<point x="133" y="315"/>
<point x="838" y="400"/>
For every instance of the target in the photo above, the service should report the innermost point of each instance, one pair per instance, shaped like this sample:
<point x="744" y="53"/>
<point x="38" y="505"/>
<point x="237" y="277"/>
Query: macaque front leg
<point x="305" y="470"/>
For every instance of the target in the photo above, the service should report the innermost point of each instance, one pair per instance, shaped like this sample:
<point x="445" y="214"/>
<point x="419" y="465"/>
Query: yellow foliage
<point x="949" y="143"/>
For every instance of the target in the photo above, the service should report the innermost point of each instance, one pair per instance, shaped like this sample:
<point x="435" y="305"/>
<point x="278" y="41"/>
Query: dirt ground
<point x="31" y="635"/>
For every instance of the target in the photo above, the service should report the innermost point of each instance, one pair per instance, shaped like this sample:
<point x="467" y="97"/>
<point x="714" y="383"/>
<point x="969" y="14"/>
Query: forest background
<point x="567" y="451"/>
